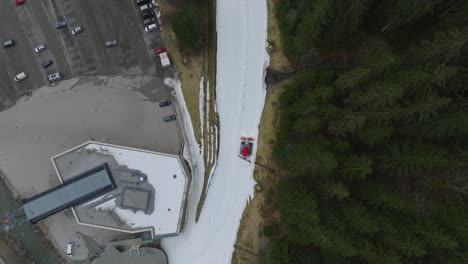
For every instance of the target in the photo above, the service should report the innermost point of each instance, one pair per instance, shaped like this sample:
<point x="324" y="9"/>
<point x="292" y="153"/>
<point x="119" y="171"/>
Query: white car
<point x="70" y="249"/>
<point x="40" y="48"/>
<point x="151" y="27"/>
<point x="146" y="7"/>
<point x="77" y="30"/>
<point x="20" y="76"/>
<point x="54" y="77"/>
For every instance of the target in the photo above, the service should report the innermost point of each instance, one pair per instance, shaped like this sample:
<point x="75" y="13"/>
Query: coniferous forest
<point x="375" y="149"/>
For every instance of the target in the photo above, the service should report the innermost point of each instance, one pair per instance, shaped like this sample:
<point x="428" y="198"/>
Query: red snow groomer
<point x="246" y="146"/>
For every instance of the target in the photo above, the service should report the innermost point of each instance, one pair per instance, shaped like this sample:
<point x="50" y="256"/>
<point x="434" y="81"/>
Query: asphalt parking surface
<point x="34" y="22"/>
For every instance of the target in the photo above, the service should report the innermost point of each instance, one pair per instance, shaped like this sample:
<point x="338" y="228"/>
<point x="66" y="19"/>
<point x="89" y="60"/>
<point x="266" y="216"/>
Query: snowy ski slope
<point x="241" y="65"/>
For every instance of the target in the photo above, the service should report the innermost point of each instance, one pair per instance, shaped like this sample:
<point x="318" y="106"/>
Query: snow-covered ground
<point x="241" y="63"/>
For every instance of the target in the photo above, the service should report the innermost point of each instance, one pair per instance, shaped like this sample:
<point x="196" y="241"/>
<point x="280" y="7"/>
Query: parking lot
<point x="34" y="23"/>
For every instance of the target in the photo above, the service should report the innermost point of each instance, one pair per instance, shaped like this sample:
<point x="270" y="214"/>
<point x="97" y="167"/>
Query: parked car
<point x="60" y="24"/>
<point x="165" y="61"/>
<point x="111" y="43"/>
<point x="142" y="2"/>
<point x="149" y="21"/>
<point x="19" y="2"/>
<point x="70" y="249"/>
<point x="165" y="103"/>
<point x="47" y="63"/>
<point x="54" y="77"/>
<point x="77" y="30"/>
<point x="151" y="27"/>
<point x="146" y="7"/>
<point x="169" y="118"/>
<point x="8" y="43"/>
<point x="20" y="76"/>
<point x="40" y="48"/>
<point x="147" y="14"/>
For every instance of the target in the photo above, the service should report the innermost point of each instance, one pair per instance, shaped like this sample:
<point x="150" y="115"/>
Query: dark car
<point x="169" y="118"/>
<point x="149" y="21"/>
<point x="164" y="103"/>
<point x="8" y="43"/>
<point x="47" y="63"/>
<point x="147" y="14"/>
<point x="60" y="24"/>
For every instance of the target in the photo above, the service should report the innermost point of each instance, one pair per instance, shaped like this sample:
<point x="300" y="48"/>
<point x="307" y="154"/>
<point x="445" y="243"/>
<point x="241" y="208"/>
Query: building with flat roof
<point x="76" y="190"/>
<point x="149" y="194"/>
<point x="141" y="255"/>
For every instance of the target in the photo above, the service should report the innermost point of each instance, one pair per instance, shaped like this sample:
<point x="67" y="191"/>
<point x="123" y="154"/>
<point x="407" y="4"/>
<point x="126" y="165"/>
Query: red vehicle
<point x="19" y="2"/>
<point x="162" y="52"/>
<point x="246" y="146"/>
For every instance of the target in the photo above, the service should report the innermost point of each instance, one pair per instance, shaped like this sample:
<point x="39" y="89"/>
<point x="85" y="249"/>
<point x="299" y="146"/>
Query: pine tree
<point x="298" y="210"/>
<point x="403" y="12"/>
<point x="376" y="96"/>
<point x="349" y="122"/>
<point x="380" y="196"/>
<point x="405" y="158"/>
<point x="428" y="105"/>
<point x="353" y="78"/>
<point x="445" y="47"/>
<point x="356" y="167"/>
<point x="335" y="190"/>
<point x="358" y="219"/>
<point x="374" y="135"/>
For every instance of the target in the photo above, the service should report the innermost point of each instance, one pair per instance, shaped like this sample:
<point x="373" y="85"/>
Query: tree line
<point x="377" y="153"/>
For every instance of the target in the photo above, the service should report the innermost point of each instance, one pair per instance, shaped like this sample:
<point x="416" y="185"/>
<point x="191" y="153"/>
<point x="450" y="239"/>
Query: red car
<point x="20" y="2"/>
<point x="160" y="50"/>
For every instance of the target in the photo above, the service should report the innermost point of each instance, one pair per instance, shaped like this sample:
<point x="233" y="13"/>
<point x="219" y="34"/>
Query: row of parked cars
<point x="146" y="8"/>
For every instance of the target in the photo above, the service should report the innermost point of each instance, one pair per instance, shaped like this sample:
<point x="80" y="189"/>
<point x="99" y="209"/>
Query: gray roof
<point x="75" y="191"/>
<point x="142" y="255"/>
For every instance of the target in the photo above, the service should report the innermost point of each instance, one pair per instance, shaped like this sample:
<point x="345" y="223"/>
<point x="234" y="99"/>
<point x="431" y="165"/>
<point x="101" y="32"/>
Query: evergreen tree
<point x="405" y="158"/>
<point x="445" y="47"/>
<point x="403" y="12"/>
<point x="356" y="167"/>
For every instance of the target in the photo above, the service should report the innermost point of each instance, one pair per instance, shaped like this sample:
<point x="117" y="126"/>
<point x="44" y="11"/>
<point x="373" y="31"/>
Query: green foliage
<point x="335" y="190"/>
<point x="380" y="196"/>
<point x="376" y="152"/>
<point x="445" y="47"/>
<point x="308" y="24"/>
<point x="298" y="207"/>
<point x="403" y="12"/>
<point x="358" y="219"/>
<point x="271" y="229"/>
<point x="189" y="27"/>
<point x="405" y="158"/>
<point x="356" y="167"/>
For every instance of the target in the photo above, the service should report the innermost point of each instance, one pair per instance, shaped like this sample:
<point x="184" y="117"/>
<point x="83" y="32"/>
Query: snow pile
<point x="241" y="63"/>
